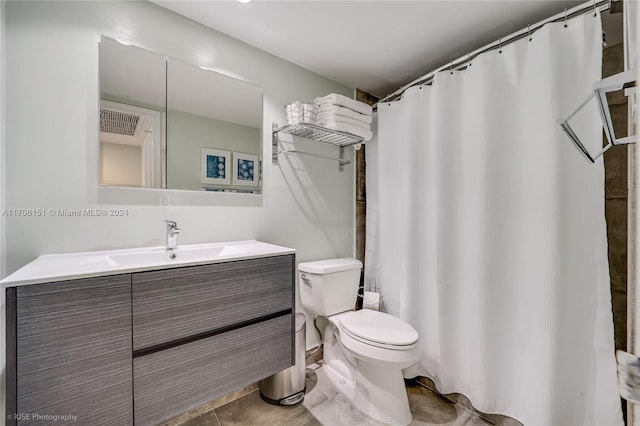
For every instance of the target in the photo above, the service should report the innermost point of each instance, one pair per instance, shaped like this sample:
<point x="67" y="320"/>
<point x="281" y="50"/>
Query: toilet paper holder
<point x="372" y="286"/>
<point x="373" y="300"/>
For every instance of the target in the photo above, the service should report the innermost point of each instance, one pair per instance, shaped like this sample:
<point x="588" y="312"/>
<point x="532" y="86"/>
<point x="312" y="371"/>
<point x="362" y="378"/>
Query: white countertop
<point x="61" y="267"/>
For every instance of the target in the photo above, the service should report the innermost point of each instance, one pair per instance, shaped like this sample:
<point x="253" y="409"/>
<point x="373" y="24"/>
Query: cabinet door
<point x="174" y="304"/>
<point x="74" y="351"/>
<point x="172" y="381"/>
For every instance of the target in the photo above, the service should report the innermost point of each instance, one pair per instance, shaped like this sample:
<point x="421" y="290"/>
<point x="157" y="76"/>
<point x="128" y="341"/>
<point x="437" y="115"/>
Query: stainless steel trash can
<point x="287" y="387"/>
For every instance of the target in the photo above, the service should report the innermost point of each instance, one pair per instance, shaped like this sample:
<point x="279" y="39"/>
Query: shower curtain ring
<point x="565" y="18"/>
<point x="500" y="45"/>
<point x="468" y="59"/>
<point x="451" y="67"/>
<point x="529" y="31"/>
<point x="595" y="10"/>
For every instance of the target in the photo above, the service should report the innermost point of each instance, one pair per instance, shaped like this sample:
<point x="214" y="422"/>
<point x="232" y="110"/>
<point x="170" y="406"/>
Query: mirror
<point x="132" y="113"/>
<point x="166" y="124"/>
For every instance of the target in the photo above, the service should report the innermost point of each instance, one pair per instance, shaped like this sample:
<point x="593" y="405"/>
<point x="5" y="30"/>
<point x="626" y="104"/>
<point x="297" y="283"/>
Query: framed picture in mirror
<point x="215" y="166"/>
<point x="246" y="169"/>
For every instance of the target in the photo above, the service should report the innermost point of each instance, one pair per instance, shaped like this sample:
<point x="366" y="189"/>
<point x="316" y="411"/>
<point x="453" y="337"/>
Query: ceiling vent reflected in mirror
<point x="119" y="123"/>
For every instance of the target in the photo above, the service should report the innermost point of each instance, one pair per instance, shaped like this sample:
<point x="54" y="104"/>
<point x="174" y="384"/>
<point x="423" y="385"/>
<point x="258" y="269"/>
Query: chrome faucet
<point x="172" y="235"/>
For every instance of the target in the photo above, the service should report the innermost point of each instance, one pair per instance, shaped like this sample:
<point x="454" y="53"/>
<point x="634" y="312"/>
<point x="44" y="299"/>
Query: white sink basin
<point x="59" y="267"/>
<point x="158" y="256"/>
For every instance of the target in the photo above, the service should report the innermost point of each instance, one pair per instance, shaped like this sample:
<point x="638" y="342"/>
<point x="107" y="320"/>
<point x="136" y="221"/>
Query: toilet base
<point x="376" y="391"/>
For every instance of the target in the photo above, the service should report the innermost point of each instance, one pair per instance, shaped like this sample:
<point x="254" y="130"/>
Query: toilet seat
<point x="378" y="329"/>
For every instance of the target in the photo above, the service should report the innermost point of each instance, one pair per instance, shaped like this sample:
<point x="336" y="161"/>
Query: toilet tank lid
<point x="329" y="266"/>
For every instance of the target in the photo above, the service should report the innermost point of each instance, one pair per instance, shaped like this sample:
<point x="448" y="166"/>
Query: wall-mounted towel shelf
<point x="316" y="133"/>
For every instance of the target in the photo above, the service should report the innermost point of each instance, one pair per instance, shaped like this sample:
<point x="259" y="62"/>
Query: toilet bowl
<point x="364" y="351"/>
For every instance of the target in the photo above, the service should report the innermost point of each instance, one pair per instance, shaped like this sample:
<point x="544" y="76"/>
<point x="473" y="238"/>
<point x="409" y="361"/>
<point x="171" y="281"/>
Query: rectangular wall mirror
<point x="166" y="124"/>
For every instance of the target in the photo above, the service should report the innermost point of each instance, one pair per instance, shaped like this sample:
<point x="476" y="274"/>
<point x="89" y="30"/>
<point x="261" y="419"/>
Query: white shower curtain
<point x="486" y="230"/>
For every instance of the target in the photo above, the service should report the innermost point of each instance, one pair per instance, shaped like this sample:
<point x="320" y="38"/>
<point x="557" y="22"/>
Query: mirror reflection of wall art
<point x="246" y="169"/>
<point x="215" y="168"/>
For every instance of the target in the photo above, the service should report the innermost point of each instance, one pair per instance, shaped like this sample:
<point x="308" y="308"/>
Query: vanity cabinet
<point x="143" y="347"/>
<point x="203" y="331"/>
<point x="72" y="352"/>
<point x="174" y="304"/>
<point x="170" y="382"/>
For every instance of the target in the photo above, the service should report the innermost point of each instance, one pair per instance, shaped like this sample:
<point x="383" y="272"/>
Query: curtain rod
<point x="462" y="61"/>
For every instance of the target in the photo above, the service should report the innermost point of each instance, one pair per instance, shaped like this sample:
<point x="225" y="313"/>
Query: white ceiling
<point x="376" y="46"/>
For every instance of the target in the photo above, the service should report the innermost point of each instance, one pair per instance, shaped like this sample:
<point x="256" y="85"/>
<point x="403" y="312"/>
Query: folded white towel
<point x="341" y="100"/>
<point x="345" y="112"/>
<point x="354" y="130"/>
<point x="323" y="119"/>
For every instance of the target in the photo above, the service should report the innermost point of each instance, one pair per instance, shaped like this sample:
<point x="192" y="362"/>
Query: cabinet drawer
<point x="172" y="304"/>
<point x="74" y="351"/>
<point x="172" y="381"/>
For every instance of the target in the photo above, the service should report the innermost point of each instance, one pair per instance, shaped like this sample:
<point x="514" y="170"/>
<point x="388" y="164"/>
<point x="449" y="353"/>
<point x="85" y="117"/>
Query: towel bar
<point x="340" y="159"/>
<point x="316" y="133"/>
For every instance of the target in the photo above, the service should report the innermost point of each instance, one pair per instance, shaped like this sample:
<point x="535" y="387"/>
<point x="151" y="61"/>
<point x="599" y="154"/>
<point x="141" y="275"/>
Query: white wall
<point x="2" y="206"/>
<point x="52" y="140"/>
<point x="121" y="164"/>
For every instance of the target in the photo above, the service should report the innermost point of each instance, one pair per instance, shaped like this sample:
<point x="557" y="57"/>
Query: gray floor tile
<point x="307" y="419"/>
<point x="472" y="420"/>
<point x="206" y="419"/>
<point x="324" y="385"/>
<point x="313" y="396"/>
<point x="476" y="420"/>
<point x="336" y="409"/>
<point x="323" y="405"/>
<point x="430" y="408"/>
<point x="252" y="410"/>
<point x="332" y="413"/>
<point x="499" y="420"/>
<point x="348" y="407"/>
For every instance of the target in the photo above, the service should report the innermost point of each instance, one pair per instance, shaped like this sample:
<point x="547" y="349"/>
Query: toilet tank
<point x="328" y="287"/>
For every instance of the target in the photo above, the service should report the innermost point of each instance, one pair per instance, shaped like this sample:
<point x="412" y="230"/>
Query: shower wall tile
<point x="615" y="170"/>
<point x="361" y="219"/>
<point x="616" y="201"/>
<point x="616" y="215"/>
<point x="361" y="190"/>
<point x="613" y="63"/>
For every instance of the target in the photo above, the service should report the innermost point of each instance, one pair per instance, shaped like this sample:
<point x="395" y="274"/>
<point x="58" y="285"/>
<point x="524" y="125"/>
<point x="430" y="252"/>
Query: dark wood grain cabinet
<point x="174" y="380"/>
<point x="142" y="348"/>
<point x="72" y="352"/>
<point x="173" y="304"/>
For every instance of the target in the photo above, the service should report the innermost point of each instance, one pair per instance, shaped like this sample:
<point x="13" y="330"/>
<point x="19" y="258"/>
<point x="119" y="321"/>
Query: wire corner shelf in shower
<point x="316" y="133"/>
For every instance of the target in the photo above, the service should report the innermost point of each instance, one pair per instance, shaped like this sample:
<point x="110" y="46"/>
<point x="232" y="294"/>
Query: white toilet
<point x="364" y="351"/>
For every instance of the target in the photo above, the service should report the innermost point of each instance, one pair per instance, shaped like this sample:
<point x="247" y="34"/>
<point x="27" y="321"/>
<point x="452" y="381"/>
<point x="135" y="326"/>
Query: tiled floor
<point x="323" y="405"/>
